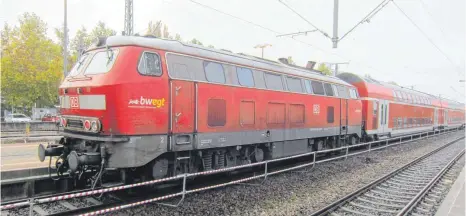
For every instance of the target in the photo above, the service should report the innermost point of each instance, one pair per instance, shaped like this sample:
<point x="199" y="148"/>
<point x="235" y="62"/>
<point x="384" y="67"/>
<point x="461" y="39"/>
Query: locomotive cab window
<point x="294" y="84"/>
<point x="102" y="62"/>
<point x="78" y="67"/>
<point x="245" y="77"/>
<point x="353" y="94"/>
<point x="149" y="64"/>
<point x="214" y="72"/>
<point x="317" y="88"/>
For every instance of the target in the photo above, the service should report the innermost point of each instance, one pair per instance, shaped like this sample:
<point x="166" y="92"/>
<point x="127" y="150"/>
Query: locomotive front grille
<point x="74" y="123"/>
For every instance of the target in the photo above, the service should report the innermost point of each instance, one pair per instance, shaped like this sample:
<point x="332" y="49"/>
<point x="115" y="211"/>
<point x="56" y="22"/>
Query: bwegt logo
<point x="148" y="102"/>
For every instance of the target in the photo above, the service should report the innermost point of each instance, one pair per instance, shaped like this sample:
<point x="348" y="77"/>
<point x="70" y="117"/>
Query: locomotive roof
<point x="219" y="55"/>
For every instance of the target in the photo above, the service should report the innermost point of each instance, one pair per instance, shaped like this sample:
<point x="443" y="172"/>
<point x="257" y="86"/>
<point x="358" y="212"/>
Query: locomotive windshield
<point x="101" y="62"/>
<point x="94" y="62"/>
<point x="78" y="67"/>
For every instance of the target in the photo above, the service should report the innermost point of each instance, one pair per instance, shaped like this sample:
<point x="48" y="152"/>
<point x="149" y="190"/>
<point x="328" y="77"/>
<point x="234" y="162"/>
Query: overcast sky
<point x="389" y="48"/>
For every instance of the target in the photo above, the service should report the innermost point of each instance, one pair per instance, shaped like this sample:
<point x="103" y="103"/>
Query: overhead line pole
<point x="335" y="24"/>
<point x="65" y="44"/>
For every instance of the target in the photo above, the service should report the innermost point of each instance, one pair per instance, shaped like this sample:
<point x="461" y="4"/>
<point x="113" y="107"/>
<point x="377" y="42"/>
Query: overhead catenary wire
<point x="302" y="17"/>
<point x="238" y="18"/>
<point x="277" y="33"/>
<point x="426" y="36"/>
<point x="424" y="6"/>
<point x="369" y="16"/>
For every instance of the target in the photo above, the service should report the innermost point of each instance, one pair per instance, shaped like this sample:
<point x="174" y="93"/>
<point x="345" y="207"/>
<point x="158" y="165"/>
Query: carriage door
<point x="383" y="117"/>
<point x="445" y="118"/>
<point x="435" y="117"/>
<point x="182" y="111"/>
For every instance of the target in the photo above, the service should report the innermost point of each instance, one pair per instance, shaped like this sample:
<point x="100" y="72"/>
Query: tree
<point x="32" y="67"/>
<point x="290" y="60"/>
<point x="324" y="69"/>
<point x="155" y="29"/>
<point x="101" y="30"/>
<point x="195" y="41"/>
<point x="81" y="41"/>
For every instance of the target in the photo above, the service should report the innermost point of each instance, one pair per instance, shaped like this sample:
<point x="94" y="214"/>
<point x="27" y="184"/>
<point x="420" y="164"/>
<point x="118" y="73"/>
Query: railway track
<point x="414" y="189"/>
<point x="108" y="200"/>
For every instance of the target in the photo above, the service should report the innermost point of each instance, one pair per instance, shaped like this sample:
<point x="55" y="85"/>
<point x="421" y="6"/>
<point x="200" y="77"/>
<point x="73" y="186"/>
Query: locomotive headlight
<point x="63" y="122"/>
<point x="94" y="126"/>
<point x="87" y="125"/>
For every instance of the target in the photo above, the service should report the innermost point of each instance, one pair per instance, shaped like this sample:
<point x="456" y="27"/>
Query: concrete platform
<point x="454" y="202"/>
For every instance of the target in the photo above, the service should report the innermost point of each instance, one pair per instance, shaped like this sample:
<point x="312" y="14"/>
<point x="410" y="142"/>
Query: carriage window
<point x="410" y="99"/>
<point x="214" y="72"/>
<point x="307" y="83"/>
<point x="294" y="84"/>
<point x="317" y="88"/>
<point x="398" y="95"/>
<point x="102" y="62"/>
<point x="245" y="77"/>
<point x="328" y="89"/>
<point x="330" y="114"/>
<point x="405" y="98"/>
<point x="273" y="81"/>
<point x="343" y="91"/>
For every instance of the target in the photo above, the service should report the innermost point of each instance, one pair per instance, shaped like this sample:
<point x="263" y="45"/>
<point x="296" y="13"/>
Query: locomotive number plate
<point x="74" y="102"/>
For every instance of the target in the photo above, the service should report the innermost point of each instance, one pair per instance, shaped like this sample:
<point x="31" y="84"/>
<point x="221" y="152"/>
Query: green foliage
<point x="31" y="63"/>
<point x="324" y="69"/>
<point x="101" y="30"/>
<point x="290" y="60"/>
<point x="195" y="41"/>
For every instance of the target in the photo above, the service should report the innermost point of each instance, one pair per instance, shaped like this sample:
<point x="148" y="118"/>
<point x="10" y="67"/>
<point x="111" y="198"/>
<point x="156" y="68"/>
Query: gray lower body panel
<point x="138" y="151"/>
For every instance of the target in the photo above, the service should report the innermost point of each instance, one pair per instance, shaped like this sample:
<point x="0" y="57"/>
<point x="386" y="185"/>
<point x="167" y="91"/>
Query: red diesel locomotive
<point x="151" y="108"/>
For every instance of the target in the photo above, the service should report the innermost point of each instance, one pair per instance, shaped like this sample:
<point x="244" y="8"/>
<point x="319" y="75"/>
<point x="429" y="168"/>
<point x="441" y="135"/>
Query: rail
<point x="340" y="202"/>
<point x="408" y="208"/>
<point x="184" y="192"/>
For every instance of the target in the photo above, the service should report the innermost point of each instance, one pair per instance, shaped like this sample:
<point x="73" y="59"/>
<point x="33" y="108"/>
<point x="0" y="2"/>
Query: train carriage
<point x="151" y="107"/>
<point x="390" y="110"/>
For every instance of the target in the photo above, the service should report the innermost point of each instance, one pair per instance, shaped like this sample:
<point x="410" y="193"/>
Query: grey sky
<point x="389" y="48"/>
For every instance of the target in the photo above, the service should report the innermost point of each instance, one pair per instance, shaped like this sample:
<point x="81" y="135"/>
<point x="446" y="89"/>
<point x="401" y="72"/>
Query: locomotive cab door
<point x="182" y="113"/>
<point x="343" y="116"/>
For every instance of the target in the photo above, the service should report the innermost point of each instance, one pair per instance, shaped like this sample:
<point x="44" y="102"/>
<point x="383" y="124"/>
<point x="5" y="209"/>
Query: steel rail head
<point x="420" y="195"/>
<point x="333" y="206"/>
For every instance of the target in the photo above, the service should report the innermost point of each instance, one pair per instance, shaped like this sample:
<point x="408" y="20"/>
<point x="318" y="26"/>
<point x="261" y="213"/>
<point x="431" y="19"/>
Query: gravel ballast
<point x="299" y="193"/>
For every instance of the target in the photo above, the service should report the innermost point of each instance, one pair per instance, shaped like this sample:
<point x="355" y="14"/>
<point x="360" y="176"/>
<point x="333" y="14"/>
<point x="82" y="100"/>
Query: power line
<point x="426" y="36"/>
<point x="295" y="12"/>
<point x="277" y="33"/>
<point x="367" y="18"/>
<point x="238" y="18"/>
<point x="424" y="6"/>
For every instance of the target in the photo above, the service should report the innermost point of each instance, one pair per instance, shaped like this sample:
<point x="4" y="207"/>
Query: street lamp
<point x="262" y="46"/>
